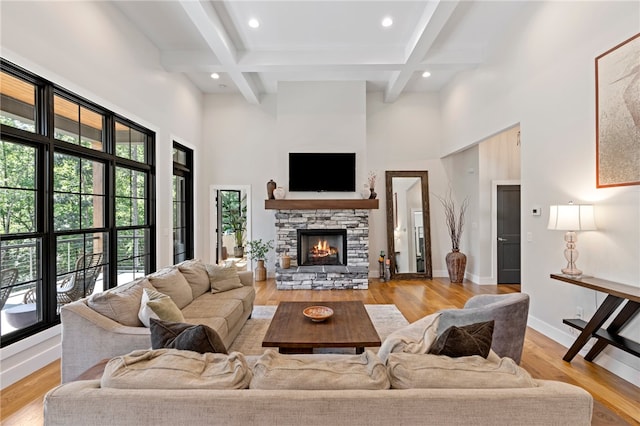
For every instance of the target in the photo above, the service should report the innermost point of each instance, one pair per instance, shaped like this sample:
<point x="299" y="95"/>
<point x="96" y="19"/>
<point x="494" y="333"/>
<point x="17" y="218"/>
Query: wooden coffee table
<point x="349" y="327"/>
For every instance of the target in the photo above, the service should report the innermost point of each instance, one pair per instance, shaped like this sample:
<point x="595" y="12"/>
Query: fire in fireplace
<point x="322" y="246"/>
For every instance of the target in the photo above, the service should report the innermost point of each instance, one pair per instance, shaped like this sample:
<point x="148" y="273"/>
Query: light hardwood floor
<point x="616" y="401"/>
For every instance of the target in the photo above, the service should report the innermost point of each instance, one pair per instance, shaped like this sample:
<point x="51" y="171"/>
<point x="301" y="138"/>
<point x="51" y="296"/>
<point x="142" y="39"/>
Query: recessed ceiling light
<point x="426" y="74"/>
<point x="387" y="21"/>
<point x="254" y="23"/>
<point x="215" y="75"/>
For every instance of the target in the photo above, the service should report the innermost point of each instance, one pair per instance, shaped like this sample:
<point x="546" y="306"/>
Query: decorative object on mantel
<point x="257" y="250"/>
<point x="271" y="186"/>
<point x="372" y="185"/>
<point x="456" y="260"/>
<point x="279" y="193"/>
<point x="366" y="192"/>
<point x="618" y="115"/>
<point x="571" y="218"/>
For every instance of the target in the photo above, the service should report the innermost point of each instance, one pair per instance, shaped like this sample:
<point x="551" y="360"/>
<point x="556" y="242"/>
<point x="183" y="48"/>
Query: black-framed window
<point x="77" y="212"/>
<point x="182" y="203"/>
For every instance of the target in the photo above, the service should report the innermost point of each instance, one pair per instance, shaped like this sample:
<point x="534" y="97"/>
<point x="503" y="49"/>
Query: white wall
<point x="92" y="50"/>
<point x="337" y="116"/>
<point x="406" y="135"/>
<point x="498" y="161"/>
<point x="545" y="81"/>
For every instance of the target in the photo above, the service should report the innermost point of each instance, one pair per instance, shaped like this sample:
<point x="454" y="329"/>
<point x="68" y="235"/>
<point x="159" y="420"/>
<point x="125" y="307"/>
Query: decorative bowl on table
<point x="317" y="313"/>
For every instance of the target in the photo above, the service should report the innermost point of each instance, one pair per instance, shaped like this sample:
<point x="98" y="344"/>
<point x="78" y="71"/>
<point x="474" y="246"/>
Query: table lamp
<point x="571" y="218"/>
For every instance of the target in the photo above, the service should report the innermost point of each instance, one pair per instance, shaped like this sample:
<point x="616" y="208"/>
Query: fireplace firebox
<point x="322" y="247"/>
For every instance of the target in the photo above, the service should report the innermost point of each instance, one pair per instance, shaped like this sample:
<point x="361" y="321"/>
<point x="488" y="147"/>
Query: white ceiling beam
<point x="190" y="61"/>
<point x="208" y="23"/>
<point x="435" y="16"/>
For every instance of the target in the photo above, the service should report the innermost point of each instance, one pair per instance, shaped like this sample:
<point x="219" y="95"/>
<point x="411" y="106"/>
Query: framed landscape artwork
<point x="618" y="115"/>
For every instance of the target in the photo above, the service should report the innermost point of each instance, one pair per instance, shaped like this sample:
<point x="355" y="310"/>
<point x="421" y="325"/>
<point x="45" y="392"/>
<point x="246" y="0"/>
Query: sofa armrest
<point x="88" y="337"/>
<point x="246" y="278"/>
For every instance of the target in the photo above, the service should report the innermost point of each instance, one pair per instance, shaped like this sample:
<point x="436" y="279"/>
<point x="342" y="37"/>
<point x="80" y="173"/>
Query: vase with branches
<point x="456" y="260"/>
<point x="372" y="185"/>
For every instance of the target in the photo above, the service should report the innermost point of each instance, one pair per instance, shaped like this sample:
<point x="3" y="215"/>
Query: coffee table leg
<point x="359" y="349"/>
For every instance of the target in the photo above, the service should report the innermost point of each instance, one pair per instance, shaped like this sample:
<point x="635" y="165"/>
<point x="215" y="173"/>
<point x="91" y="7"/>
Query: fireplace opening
<point x="322" y="247"/>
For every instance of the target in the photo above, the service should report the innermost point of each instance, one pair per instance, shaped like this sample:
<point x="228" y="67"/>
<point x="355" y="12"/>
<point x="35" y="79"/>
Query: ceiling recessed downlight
<point x="426" y="74"/>
<point x="254" y="23"/>
<point x="387" y="21"/>
<point x="215" y="75"/>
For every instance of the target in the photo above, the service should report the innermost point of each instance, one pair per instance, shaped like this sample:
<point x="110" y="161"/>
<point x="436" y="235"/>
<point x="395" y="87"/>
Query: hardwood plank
<point x="616" y="400"/>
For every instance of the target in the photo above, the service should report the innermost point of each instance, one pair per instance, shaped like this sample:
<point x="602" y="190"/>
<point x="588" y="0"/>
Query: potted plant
<point x="234" y="219"/>
<point x="257" y="250"/>
<point x="456" y="260"/>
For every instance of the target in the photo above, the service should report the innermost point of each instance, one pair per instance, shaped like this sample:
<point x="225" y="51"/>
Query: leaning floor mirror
<point x="408" y="232"/>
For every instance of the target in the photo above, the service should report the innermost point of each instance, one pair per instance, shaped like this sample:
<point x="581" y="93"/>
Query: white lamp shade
<point x="572" y="217"/>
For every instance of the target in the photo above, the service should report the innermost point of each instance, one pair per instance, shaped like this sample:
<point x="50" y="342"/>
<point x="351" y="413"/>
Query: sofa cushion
<point x="171" y="282"/>
<point x="196" y="275"/>
<point x="197" y="338"/>
<point x="159" y="306"/>
<point x="472" y="339"/>
<point x="176" y="369"/>
<point x="415" y="338"/>
<point x="209" y="305"/>
<point x="246" y="295"/>
<point x="409" y="371"/>
<point x="121" y="304"/>
<point x="223" y="278"/>
<point x="275" y="371"/>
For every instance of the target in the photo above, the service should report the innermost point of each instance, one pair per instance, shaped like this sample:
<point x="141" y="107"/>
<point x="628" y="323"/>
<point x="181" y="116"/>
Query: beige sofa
<point x="550" y="403"/>
<point x="106" y="325"/>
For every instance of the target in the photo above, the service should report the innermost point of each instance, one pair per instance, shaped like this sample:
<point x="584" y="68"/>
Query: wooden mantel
<point x="320" y="204"/>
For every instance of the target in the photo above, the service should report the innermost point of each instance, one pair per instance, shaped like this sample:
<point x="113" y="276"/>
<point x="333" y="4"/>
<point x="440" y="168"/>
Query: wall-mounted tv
<point x="334" y="172"/>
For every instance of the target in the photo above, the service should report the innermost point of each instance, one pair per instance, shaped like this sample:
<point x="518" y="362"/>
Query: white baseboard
<point x="20" y="359"/>
<point x="605" y="361"/>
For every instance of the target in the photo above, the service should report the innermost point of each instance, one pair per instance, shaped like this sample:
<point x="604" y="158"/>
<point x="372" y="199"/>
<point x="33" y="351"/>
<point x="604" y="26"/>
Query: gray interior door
<point x="508" y="227"/>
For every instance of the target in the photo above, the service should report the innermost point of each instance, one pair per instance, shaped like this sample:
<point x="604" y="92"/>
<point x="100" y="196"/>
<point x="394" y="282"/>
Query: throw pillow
<point x="175" y="369"/>
<point x="415" y="371"/>
<point x="473" y="339"/>
<point x="121" y="304"/>
<point x="197" y="338"/>
<point x="319" y="372"/>
<point x="157" y="305"/>
<point x="223" y="278"/>
<point x="415" y="338"/>
<point x="196" y="275"/>
<point x="171" y="282"/>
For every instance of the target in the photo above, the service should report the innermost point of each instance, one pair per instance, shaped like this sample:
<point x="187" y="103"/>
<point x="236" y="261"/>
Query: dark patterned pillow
<point x="473" y="339"/>
<point x="176" y="335"/>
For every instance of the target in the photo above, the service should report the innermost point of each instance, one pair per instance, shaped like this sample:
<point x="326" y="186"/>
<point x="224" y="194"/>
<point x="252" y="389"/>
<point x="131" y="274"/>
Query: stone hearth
<point x="353" y="275"/>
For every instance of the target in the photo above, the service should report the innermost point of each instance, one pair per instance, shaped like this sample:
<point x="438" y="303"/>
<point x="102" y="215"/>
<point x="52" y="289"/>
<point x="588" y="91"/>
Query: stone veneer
<point x="354" y="275"/>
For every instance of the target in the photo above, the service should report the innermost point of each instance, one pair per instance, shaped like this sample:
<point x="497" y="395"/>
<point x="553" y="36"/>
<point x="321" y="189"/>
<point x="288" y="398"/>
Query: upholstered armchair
<point x="509" y="311"/>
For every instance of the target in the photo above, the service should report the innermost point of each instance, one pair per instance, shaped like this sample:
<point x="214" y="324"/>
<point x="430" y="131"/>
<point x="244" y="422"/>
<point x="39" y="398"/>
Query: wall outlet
<point x="579" y="312"/>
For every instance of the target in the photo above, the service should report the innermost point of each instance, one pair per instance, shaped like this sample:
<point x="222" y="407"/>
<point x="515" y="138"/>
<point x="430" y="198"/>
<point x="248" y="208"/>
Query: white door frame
<point x="213" y="215"/>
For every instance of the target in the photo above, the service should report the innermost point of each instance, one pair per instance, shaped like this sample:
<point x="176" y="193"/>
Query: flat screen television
<point x="335" y="172"/>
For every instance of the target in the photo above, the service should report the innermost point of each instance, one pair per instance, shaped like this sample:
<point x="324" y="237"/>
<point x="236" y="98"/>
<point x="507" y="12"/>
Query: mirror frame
<point x="424" y="180"/>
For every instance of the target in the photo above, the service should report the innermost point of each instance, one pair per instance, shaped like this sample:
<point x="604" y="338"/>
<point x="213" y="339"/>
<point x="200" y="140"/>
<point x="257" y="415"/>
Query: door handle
<point x="502" y="239"/>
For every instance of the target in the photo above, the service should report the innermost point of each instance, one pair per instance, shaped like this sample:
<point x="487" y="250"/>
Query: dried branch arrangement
<point x="455" y="221"/>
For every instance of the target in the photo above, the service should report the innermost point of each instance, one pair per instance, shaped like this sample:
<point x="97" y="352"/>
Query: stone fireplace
<point x="329" y="247"/>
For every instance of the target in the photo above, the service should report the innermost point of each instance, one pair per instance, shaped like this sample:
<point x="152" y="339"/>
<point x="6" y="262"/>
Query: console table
<point x="617" y="293"/>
